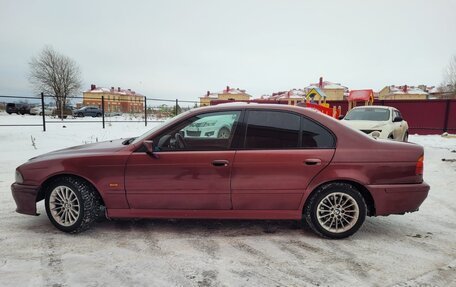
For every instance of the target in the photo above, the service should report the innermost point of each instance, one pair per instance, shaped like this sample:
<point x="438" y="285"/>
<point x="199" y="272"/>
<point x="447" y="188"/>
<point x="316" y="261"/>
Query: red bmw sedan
<point x="230" y="161"/>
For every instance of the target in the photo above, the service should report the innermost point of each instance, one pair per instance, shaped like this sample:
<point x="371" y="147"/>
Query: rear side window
<point x="272" y="130"/>
<point x="315" y="136"/>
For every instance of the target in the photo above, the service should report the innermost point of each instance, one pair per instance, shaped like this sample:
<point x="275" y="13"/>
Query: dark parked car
<point x="13" y="108"/>
<point x="278" y="162"/>
<point x="87" y="111"/>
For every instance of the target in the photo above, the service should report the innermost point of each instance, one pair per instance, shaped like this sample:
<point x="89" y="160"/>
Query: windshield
<point x="368" y="114"/>
<point x="155" y="128"/>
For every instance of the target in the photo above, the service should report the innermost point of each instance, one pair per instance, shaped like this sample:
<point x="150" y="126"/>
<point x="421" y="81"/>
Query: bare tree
<point x="55" y="74"/>
<point x="449" y="84"/>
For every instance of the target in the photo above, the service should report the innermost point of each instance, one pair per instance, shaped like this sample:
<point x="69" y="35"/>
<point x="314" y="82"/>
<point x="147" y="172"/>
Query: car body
<point x="387" y="121"/>
<point x="48" y="111"/>
<point x="279" y="162"/>
<point x="36" y="110"/>
<point x="87" y="111"/>
<point x="67" y="111"/>
<point x="13" y="108"/>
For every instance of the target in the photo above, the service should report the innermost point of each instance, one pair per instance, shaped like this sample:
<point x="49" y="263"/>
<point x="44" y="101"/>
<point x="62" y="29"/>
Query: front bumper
<point x="25" y="197"/>
<point x="398" y="198"/>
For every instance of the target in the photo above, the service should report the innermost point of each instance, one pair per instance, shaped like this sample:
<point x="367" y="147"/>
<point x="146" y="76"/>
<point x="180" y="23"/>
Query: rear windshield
<point x="370" y="114"/>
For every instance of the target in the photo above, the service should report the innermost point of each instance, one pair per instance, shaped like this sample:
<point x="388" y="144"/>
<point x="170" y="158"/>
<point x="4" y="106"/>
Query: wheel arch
<point x="365" y="193"/>
<point x="41" y="193"/>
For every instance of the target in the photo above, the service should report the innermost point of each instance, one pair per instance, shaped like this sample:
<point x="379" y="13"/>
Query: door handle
<point x="312" y="161"/>
<point x="220" y="162"/>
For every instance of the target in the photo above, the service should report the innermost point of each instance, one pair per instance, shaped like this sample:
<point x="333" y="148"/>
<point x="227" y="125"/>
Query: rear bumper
<point x="25" y="197"/>
<point x="398" y="198"/>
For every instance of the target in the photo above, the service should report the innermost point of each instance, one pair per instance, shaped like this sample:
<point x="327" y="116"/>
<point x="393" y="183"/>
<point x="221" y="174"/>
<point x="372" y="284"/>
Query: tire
<point x="80" y="115"/>
<point x="318" y="212"/>
<point x="223" y="133"/>
<point x="98" y="115"/>
<point x="406" y="135"/>
<point x="81" y="200"/>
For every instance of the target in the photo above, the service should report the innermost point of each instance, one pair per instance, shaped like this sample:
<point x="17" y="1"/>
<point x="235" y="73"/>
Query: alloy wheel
<point x="337" y="212"/>
<point x="64" y="205"/>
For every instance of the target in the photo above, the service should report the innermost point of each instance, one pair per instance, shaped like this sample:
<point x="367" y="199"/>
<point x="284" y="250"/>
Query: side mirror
<point x="149" y="145"/>
<point x="341" y="117"/>
<point x="397" y="119"/>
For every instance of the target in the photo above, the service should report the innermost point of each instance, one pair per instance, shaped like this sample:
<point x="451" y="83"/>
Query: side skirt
<point x="204" y="214"/>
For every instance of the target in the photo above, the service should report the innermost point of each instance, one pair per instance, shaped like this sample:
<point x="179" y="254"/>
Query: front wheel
<point x="406" y="135"/>
<point x="335" y="210"/>
<point x="72" y="205"/>
<point x="223" y="133"/>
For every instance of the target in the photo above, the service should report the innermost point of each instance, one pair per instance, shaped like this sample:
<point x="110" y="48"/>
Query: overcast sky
<point x="181" y="49"/>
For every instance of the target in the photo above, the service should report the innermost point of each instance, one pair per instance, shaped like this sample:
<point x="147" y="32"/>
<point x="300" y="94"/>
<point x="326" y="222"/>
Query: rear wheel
<point x="335" y="210"/>
<point x="72" y="205"/>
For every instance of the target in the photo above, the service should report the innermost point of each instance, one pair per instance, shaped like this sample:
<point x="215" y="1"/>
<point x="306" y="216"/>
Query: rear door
<point x="281" y="153"/>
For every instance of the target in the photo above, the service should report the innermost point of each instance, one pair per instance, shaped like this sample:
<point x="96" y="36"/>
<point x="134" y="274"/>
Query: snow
<point x="410" y="90"/>
<point x="409" y="250"/>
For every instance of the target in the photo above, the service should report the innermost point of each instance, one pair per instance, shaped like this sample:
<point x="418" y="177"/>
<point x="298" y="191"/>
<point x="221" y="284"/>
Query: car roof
<point x="376" y="107"/>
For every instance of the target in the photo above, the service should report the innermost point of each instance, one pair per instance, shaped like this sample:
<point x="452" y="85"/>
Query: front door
<point x="193" y="167"/>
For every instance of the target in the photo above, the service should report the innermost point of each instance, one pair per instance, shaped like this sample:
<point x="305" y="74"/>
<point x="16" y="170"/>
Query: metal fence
<point x="113" y="109"/>
<point x="423" y="116"/>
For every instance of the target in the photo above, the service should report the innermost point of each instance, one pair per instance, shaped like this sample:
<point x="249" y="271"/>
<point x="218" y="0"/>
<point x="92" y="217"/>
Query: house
<point x="292" y="97"/>
<point x="404" y="92"/>
<point x="115" y="100"/>
<point x="228" y="94"/>
<point x="333" y="91"/>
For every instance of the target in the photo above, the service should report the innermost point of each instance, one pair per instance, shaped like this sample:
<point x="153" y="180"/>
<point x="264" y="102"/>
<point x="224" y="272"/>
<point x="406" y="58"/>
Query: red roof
<point x="360" y="95"/>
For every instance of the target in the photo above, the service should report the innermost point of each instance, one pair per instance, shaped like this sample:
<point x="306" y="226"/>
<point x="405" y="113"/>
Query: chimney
<point x="208" y="93"/>
<point x="93" y="87"/>
<point x="405" y="88"/>
<point x="320" y="83"/>
<point x="118" y="89"/>
<point x="227" y="89"/>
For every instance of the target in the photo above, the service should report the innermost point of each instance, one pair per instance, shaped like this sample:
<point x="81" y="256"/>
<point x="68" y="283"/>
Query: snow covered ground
<point x="417" y="249"/>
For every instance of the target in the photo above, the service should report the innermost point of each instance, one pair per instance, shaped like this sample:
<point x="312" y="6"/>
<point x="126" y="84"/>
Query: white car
<point x="379" y="121"/>
<point x="39" y="111"/>
<point x="217" y="127"/>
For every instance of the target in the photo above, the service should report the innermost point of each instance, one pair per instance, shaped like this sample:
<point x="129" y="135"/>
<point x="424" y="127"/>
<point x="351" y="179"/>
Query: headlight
<point x="19" y="178"/>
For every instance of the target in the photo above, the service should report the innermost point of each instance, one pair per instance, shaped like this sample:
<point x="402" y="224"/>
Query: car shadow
<point x="201" y="226"/>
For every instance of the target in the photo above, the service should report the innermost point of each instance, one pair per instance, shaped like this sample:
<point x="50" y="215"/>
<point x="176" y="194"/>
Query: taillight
<point x="419" y="166"/>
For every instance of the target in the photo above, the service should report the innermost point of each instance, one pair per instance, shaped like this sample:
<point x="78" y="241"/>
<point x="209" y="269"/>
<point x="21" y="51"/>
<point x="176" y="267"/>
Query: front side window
<point x="272" y="130"/>
<point x="210" y="131"/>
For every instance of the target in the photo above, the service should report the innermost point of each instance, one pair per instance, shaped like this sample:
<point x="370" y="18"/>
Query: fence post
<point x="175" y="109"/>
<point x="43" y="112"/>
<point x="145" y="111"/>
<point x="103" y="110"/>
<point x="447" y="115"/>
